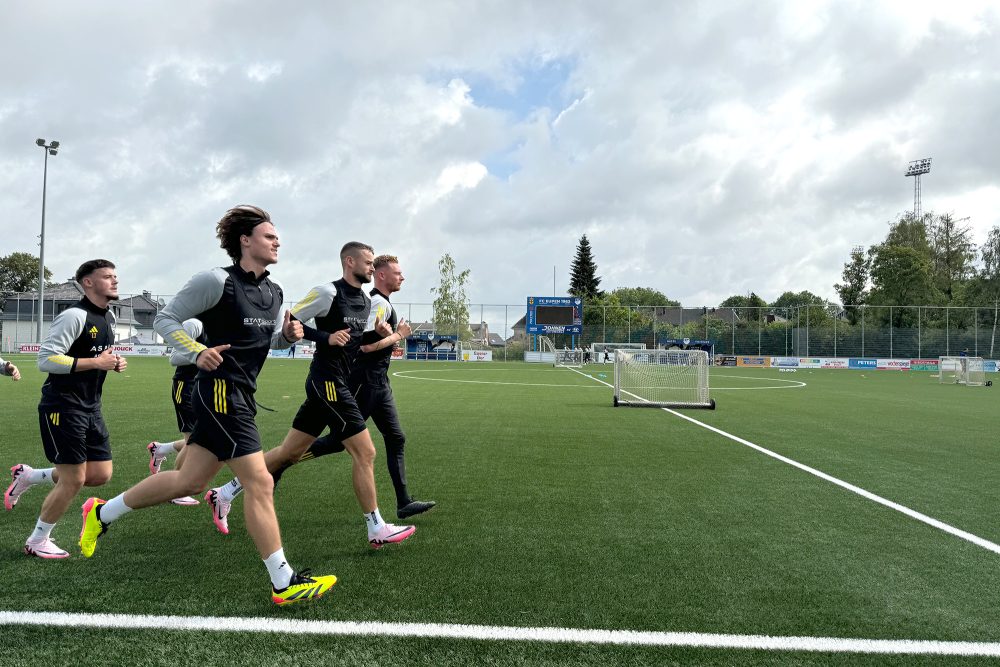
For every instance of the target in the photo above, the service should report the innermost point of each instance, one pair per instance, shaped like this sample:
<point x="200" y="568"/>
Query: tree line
<point x="930" y="260"/>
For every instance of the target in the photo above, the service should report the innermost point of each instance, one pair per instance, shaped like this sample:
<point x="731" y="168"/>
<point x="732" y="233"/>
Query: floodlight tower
<point x="916" y="168"/>
<point x="50" y="149"/>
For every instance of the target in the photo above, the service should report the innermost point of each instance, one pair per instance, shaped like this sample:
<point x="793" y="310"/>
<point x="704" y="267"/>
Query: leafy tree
<point x="853" y="291"/>
<point x="451" y="304"/>
<point x="750" y="308"/>
<point x="607" y="316"/>
<point x="815" y="307"/>
<point x="901" y="276"/>
<point x="584" y="281"/>
<point x="643" y="296"/>
<point x="985" y="287"/>
<point x="19" y="273"/>
<point x="911" y="232"/>
<point x="952" y="254"/>
<point x="643" y="301"/>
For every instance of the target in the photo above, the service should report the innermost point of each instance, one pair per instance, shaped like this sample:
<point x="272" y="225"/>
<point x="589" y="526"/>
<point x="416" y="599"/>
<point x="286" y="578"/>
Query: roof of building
<point x="69" y="290"/>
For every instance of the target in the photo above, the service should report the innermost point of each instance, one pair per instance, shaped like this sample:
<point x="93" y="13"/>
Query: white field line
<point x="792" y="384"/>
<point x="499" y="633"/>
<point x="519" y="384"/>
<point x="913" y="514"/>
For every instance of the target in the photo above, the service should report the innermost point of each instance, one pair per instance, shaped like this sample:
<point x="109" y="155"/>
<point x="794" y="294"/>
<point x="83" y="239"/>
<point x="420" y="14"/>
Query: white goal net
<point x="601" y="352"/>
<point x="970" y="371"/>
<point x="568" y="358"/>
<point x="662" y="379"/>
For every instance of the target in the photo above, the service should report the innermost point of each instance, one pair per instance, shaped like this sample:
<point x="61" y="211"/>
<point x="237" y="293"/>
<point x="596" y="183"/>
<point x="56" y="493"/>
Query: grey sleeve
<point x="317" y="302"/>
<point x="194" y="328"/>
<point x="278" y="340"/>
<point x="199" y="294"/>
<point x="65" y="329"/>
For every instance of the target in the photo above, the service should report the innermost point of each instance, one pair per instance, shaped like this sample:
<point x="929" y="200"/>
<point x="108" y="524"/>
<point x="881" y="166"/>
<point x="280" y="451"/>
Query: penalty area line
<point x="499" y="633"/>
<point x="913" y="514"/>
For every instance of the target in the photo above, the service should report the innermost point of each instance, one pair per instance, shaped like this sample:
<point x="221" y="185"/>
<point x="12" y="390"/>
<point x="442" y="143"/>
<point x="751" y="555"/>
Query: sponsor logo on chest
<point x="258" y="322"/>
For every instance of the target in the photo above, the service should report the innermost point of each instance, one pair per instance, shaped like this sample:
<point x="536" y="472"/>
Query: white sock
<point x="114" y="508"/>
<point x="230" y="490"/>
<point x="279" y="569"/>
<point x="164" y="448"/>
<point x="374" y="521"/>
<point x="41" y="476"/>
<point x="42" y="531"/>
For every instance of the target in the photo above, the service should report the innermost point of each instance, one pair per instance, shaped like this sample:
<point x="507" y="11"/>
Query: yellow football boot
<point x="92" y="527"/>
<point x="303" y="586"/>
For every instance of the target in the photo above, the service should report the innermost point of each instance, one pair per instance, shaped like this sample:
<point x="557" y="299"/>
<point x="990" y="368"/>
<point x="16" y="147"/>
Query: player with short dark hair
<point x="240" y="308"/>
<point x="370" y="385"/>
<point x="77" y="354"/>
<point x="341" y="307"/>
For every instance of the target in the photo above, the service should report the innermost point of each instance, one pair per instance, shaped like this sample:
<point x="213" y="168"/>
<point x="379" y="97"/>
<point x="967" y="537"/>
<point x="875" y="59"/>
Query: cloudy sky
<point x="706" y="149"/>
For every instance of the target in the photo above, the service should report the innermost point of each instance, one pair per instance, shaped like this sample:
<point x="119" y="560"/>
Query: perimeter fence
<point x="805" y="331"/>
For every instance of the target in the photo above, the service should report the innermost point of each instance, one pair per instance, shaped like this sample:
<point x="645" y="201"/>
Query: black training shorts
<point x="74" y="437"/>
<point x="329" y="403"/>
<point x="182" y="393"/>
<point x="224" y="419"/>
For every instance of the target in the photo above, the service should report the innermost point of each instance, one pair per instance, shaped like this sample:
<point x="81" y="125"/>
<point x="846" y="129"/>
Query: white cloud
<point x="706" y="149"/>
<point x="261" y="72"/>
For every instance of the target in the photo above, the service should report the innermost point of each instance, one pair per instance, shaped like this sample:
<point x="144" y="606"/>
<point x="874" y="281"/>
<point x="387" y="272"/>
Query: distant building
<point x="134" y="315"/>
<point x="518" y="330"/>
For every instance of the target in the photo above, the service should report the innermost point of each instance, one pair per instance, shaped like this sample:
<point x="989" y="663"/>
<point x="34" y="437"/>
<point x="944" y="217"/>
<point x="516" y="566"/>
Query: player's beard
<point x="362" y="278"/>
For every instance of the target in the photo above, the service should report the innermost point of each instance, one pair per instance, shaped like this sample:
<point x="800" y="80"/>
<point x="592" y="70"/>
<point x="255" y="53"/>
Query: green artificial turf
<point x="555" y="510"/>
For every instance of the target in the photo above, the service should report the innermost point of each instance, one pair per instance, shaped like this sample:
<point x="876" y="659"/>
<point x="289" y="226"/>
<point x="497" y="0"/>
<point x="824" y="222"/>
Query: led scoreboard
<point x="554" y="315"/>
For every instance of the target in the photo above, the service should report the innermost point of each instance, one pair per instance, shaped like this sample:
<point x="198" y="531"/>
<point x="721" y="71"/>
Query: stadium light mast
<point x="916" y="168"/>
<point x="50" y="149"/>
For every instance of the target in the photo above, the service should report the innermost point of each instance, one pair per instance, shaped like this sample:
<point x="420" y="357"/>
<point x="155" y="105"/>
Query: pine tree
<point x="584" y="281"/>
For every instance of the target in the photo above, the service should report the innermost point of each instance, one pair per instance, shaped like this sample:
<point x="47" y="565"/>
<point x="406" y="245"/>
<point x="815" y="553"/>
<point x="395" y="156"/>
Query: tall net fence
<point x="805" y="331"/>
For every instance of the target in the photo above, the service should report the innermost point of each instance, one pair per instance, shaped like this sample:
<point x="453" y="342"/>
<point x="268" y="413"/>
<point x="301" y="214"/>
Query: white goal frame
<point x="970" y="371"/>
<point x="597" y="350"/>
<point x="567" y="358"/>
<point x="662" y="379"/>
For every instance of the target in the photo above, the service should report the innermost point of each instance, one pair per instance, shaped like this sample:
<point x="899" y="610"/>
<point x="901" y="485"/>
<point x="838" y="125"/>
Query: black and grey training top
<point x="374" y="366"/>
<point x="82" y="331"/>
<point x="186" y="371"/>
<point x="335" y="306"/>
<point x="236" y="308"/>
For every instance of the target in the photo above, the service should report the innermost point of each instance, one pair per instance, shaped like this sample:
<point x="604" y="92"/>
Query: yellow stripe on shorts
<point x="220" y="397"/>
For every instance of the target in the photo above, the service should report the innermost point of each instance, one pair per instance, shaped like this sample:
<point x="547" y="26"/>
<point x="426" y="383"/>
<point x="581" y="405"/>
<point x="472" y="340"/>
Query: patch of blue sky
<point x="525" y="88"/>
<point x="532" y="85"/>
<point x="502" y="164"/>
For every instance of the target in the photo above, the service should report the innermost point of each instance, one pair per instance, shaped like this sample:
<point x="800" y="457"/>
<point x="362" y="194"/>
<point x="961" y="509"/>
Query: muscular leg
<point x="286" y="454"/>
<point x="199" y="468"/>
<point x="258" y="506"/>
<point x="362" y="452"/>
<point x="181" y="451"/>
<point x="70" y="478"/>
